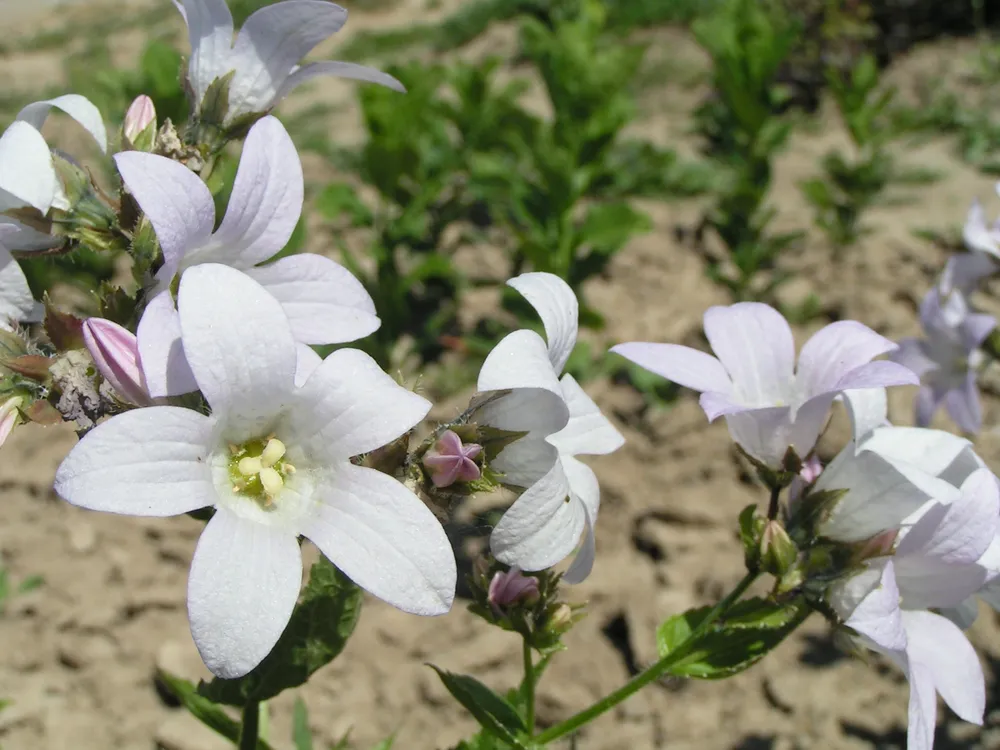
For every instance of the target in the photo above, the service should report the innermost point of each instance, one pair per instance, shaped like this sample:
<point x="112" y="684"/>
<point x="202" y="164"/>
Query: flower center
<point x="257" y="470"/>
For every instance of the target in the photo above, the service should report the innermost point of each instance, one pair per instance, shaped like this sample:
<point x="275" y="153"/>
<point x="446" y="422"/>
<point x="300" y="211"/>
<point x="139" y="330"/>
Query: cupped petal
<point x="519" y="360"/>
<point x="145" y="462"/>
<point x="588" y="430"/>
<point x="244" y="582"/>
<point x="963" y="406"/>
<point x="80" y="108"/>
<point x="877" y="618"/>
<point x="340" y="70"/>
<point x="266" y="201"/>
<point x="679" y="364"/>
<point x="239" y="346"/>
<point x="755" y="345"/>
<point x="542" y="527"/>
<point x="584" y="488"/>
<point x="868" y="409"/>
<point x="27" y="175"/>
<point x="912" y="354"/>
<point x="176" y="201"/>
<point x="765" y="434"/>
<point x="583" y="563"/>
<point x="535" y="411"/>
<point x="384" y="539"/>
<point x="161" y="354"/>
<point x="349" y="406"/>
<point x="210" y="29"/>
<point x="271" y="43"/>
<point x="324" y="303"/>
<point x="557" y="306"/>
<point x="835" y="351"/>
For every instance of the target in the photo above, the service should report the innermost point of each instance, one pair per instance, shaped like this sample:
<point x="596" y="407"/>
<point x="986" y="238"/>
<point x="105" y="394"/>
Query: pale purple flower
<point x="324" y="303"/>
<point x="561" y="496"/>
<point x="769" y="403"/>
<point x="116" y="355"/>
<point x="264" y="58"/>
<point x="511" y="587"/>
<point x="947" y="357"/>
<point x="274" y="460"/>
<point x="450" y="461"/>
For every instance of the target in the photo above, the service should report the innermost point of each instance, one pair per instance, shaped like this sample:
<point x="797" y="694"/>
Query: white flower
<point x="323" y="301"/>
<point x="562" y="495"/>
<point x="273" y="459"/>
<point x="264" y="58"/>
<point x="16" y="301"/>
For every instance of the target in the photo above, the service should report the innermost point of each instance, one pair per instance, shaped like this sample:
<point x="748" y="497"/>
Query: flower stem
<point x="250" y="729"/>
<point x="651" y="673"/>
<point x="772" y="506"/>
<point x="529" y="687"/>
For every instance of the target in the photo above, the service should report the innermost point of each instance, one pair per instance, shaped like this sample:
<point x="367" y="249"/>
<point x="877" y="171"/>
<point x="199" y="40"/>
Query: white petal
<point x="271" y="43"/>
<point x="244" y="582"/>
<point x="558" y="308"/>
<point x="307" y="360"/>
<point x="965" y="614"/>
<point x="80" y="108"/>
<point x="145" y="462"/>
<point x="178" y="204"/>
<point x="833" y="352"/>
<point x="349" y="406"/>
<point x="266" y="201"/>
<point x="16" y="301"/>
<point x="161" y="353"/>
<point x="542" y="527"/>
<point x="679" y="364"/>
<point x="976" y="233"/>
<point x="27" y="176"/>
<point x="583" y="563"/>
<point x="324" y="303"/>
<point x="878" y="617"/>
<point x="21" y="237"/>
<point x="520" y="360"/>
<point x="765" y="434"/>
<point x="210" y="29"/>
<point x="932" y="451"/>
<point x="385" y="540"/>
<point x="341" y="70"/>
<point x="239" y="345"/>
<point x="535" y="411"/>
<point x="586" y="490"/>
<point x="588" y="430"/>
<point x="867" y="409"/>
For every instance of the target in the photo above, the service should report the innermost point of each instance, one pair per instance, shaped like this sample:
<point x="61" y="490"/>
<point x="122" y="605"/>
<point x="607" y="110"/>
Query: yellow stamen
<point x="271" y="481"/>
<point x="249" y="466"/>
<point x="272" y="452"/>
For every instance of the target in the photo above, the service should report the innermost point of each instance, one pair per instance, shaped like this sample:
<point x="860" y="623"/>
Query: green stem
<point x="529" y="687"/>
<point x="250" y="728"/>
<point x="651" y="673"/>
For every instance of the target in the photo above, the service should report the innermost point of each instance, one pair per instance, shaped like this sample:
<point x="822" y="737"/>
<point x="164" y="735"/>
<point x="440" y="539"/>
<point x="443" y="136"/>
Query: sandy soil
<point x="78" y="654"/>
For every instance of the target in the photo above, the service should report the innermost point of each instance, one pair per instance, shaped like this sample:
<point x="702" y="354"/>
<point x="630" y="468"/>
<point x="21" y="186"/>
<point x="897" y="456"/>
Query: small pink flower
<point x="141" y="113"/>
<point x="116" y="356"/>
<point x="450" y="461"/>
<point x="511" y="587"/>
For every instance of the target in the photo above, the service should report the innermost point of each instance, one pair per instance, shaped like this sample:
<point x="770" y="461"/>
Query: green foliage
<point x="493" y="712"/>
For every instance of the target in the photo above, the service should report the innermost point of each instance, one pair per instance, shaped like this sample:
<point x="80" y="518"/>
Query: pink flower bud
<point x="116" y="355"/>
<point x="450" y="461"/>
<point x="9" y="416"/>
<point x="140" y="115"/>
<point x="511" y="587"/>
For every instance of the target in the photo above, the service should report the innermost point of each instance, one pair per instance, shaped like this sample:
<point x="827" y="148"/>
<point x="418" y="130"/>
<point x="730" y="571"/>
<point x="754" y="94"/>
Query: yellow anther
<point x="272" y="453"/>
<point x="249" y="466"/>
<point x="288" y="468"/>
<point x="271" y="481"/>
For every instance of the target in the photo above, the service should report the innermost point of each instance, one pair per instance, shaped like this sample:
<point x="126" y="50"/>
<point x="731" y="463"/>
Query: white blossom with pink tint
<point x="139" y="116"/>
<point x="451" y="461"/>
<point x="116" y="356"/>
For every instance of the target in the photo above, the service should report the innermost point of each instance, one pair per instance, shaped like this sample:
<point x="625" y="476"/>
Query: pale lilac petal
<point x="116" y="356"/>
<point x="765" y="434"/>
<point x="239" y="346"/>
<point x="975" y="329"/>
<point x="542" y="527"/>
<point x="755" y="345"/>
<point x="535" y="411"/>
<point x="449" y="443"/>
<point x="927" y="401"/>
<point x="976" y="233"/>
<point x="145" y="462"/>
<point x="588" y="430"/>
<point x="27" y="175"/>
<point x="557" y="306"/>
<point x="350" y="406"/>
<point x="962" y="404"/>
<point x="878" y="618"/>
<point x="244" y="582"/>
<point x="210" y="29"/>
<point x="680" y="364"/>
<point x="717" y="405"/>
<point x="912" y="354"/>
<point x="881" y="374"/>
<point x="266" y="201"/>
<point x="272" y="42"/>
<point x="80" y="108"/>
<point x="16" y="301"/>
<point x="324" y="303"/>
<point x="867" y="409"/>
<point x="964" y="271"/>
<point x="834" y="351"/>
<point x="385" y="540"/>
<point x="586" y="490"/>
<point x="307" y="360"/>
<point x="520" y="360"/>
<point x="176" y="201"/>
<point x="161" y="354"/>
<point x="964" y="615"/>
<point x="340" y="70"/>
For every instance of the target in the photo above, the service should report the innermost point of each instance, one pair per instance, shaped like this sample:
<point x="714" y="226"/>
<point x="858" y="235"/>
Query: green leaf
<point x="208" y="713"/>
<point x="386" y="744"/>
<point x="30" y="584"/>
<point x="492" y="712"/>
<point x="338" y="199"/>
<point x="301" y="735"/>
<point x="322" y="622"/>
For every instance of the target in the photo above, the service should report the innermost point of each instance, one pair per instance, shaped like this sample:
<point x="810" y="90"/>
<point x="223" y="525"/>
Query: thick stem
<point x="529" y="687"/>
<point x="250" y="729"/>
<point x="772" y="508"/>
<point x="651" y="673"/>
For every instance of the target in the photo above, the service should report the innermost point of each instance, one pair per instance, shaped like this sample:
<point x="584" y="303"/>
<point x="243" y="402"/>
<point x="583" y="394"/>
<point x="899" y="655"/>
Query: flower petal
<point x="244" y="582"/>
<point x="588" y="430"/>
<point x="679" y="364"/>
<point x="755" y="345"/>
<point x="879" y="374"/>
<point x="538" y="412"/>
<point x="766" y="434"/>
<point x="931" y="451"/>
<point x="16" y="300"/>
<point x="557" y="306"/>
<point x="867" y="409"/>
<point x="27" y="176"/>
<point x="306" y="362"/>
<point x="266" y="201"/>
<point x="161" y="354"/>
<point x="239" y="345"/>
<point x="349" y="406"/>
<point x="975" y="329"/>
<point x="964" y="271"/>
<point x="976" y="233"/>
<point x="878" y="618"/>
<point x="912" y="354"/>
<point x="176" y="201"/>
<point x="520" y="360"/>
<point x="586" y="490"/>
<point x="324" y="303"/>
<point x="384" y="539"/>
<point x="928" y="399"/>
<point x="833" y="352"/>
<point x="963" y="404"/>
<point x="340" y="70"/>
<point x="80" y="108"/>
<point x="145" y="462"/>
<point x="210" y="29"/>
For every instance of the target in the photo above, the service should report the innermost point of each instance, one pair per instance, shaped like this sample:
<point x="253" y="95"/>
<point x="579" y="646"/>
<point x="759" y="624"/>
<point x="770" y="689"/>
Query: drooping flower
<point x="263" y="61"/>
<point x="452" y="461"/>
<point x="947" y="357"/>
<point x="273" y="459"/>
<point x="323" y="301"/>
<point x="769" y="403"/>
<point x="116" y="356"/>
<point x="561" y="496"/>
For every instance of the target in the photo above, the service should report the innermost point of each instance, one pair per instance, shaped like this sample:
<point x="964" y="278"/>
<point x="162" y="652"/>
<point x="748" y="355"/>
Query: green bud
<point x="778" y="552"/>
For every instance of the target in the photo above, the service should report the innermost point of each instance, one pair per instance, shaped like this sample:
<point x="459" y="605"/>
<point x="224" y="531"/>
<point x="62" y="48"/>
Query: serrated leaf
<point x="491" y="711"/>
<point x="317" y="632"/>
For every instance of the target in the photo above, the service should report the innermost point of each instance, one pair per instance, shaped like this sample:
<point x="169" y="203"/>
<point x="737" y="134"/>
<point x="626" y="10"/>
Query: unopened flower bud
<point x="10" y="416"/>
<point x="511" y="587"/>
<point x="777" y="551"/>
<point x="879" y="545"/>
<point x="561" y="619"/>
<point x="139" y="128"/>
<point x="450" y="461"/>
<point x="116" y="355"/>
